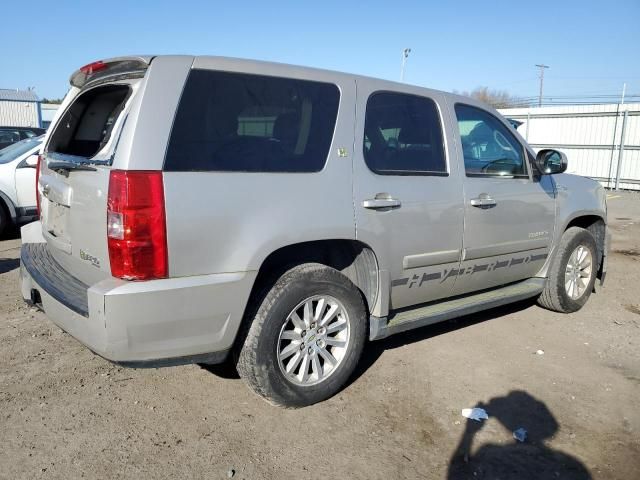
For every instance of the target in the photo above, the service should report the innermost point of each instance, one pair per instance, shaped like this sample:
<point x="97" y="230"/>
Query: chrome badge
<point x="90" y="258"/>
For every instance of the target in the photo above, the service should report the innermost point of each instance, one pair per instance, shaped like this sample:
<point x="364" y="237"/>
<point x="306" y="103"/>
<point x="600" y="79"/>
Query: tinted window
<point x="9" y="136"/>
<point x="403" y="135"/>
<point x="489" y="148"/>
<point x="252" y="123"/>
<point x="15" y="150"/>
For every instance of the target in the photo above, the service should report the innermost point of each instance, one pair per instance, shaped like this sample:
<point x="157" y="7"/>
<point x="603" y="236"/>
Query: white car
<point x="18" y="164"/>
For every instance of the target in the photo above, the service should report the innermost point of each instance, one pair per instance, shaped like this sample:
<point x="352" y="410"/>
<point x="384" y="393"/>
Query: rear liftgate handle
<point x="483" y="200"/>
<point x="381" y="201"/>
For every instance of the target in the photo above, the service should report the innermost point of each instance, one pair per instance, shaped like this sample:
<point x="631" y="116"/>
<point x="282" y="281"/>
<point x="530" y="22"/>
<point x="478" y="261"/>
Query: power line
<point x="541" y="67"/>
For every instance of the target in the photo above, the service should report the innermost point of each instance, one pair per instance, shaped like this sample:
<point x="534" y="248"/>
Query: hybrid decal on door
<point x="538" y="234"/>
<point x="418" y="280"/>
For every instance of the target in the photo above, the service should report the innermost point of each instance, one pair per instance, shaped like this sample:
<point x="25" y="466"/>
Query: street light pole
<point x="405" y="55"/>
<point x="541" y="67"/>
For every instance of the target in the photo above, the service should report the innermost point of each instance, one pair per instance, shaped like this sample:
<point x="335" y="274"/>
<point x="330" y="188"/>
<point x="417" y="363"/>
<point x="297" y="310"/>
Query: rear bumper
<point x="26" y="214"/>
<point x="138" y="324"/>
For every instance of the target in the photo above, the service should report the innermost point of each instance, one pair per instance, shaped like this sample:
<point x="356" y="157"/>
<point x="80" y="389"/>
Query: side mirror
<point x="30" y="162"/>
<point x="551" y="161"/>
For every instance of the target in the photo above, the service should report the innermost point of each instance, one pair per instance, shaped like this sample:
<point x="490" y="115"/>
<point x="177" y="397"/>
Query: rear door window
<point x="85" y="128"/>
<point x="403" y="135"/>
<point x="238" y="122"/>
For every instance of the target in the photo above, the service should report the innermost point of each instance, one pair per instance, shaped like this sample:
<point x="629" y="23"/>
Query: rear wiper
<point x="63" y="168"/>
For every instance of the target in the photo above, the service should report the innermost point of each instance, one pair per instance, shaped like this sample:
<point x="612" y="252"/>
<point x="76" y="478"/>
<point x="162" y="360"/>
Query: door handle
<point x="381" y="200"/>
<point x="483" y="200"/>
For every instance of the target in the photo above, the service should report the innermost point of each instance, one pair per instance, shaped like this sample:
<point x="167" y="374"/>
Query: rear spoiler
<point x="112" y="68"/>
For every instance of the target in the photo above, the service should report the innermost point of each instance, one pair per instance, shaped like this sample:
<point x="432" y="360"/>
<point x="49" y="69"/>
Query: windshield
<point x="12" y="152"/>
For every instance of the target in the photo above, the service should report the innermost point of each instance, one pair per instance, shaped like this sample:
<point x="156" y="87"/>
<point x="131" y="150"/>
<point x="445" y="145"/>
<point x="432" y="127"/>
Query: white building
<point x="19" y="108"/>
<point x="48" y="112"/>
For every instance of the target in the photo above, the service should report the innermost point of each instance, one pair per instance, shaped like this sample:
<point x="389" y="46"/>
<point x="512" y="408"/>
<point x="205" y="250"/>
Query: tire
<point x="273" y="330"/>
<point x="4" y="223"/>
<point x="558" y="294"/>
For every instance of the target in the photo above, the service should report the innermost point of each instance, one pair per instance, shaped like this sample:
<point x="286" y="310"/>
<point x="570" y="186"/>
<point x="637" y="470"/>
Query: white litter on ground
<point x="520" y="434"/>
<point x="540" y="352"/>
<point x="477" y="414"/>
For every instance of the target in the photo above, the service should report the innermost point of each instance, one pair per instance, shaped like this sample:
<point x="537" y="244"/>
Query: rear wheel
<point x="572" y="273"/>
<point x="306" y="337"/>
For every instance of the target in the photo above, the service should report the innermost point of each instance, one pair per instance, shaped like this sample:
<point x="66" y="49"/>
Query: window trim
<point x="525" y="161"/>
<point x="412" y="173"/>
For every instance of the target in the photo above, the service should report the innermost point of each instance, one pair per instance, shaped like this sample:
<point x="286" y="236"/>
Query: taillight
<point x="136" y="225"/>
<point x="93" y="67"/>
<point x="38" y="179"/>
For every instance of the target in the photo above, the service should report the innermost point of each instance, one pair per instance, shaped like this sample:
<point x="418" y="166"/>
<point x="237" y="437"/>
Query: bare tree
<point x="495" y="98"/>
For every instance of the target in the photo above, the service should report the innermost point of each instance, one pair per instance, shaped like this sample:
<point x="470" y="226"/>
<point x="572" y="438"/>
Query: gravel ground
<point x="66" y="413"/>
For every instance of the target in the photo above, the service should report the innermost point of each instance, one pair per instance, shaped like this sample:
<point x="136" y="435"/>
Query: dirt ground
<point x="66" y="413"/>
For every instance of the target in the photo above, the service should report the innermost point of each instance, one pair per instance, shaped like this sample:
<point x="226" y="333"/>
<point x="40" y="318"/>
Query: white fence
<point x="601" y="141"/>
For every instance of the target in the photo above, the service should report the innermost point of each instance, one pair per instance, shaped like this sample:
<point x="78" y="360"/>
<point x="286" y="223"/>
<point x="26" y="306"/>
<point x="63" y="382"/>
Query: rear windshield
<point x="252" y="123"/>
<point x="86" y="125"/>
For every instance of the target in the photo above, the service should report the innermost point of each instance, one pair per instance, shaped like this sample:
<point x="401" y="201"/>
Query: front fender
<point x="576" y="197"/>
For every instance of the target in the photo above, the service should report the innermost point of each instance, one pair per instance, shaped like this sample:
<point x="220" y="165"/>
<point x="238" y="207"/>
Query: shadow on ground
<point x="373" y="350"/>
<point x="531" y="459"/>
<point x="8" y="264"/>
<point x="222" y="370"/>
<point x="10" y="233"/>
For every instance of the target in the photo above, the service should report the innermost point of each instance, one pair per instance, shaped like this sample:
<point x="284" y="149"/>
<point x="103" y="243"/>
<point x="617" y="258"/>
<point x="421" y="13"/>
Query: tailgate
<point x="73" y="216"/>
<point x="76" y="163"/>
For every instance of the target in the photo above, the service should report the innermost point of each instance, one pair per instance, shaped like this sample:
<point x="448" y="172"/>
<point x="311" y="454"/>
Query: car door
<point x="26" y="180"/>
<point x="407" y="192"/>
<point x="509" y="214"/>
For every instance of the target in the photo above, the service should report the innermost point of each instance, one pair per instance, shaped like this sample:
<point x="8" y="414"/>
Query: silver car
<point x="205" y="209"/>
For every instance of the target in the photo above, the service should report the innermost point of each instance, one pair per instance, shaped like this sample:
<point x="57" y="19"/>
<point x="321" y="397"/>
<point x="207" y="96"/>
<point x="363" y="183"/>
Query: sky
<point x="591" y="47"/>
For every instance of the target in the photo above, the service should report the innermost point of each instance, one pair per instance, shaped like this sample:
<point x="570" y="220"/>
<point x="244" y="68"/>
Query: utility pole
<point x="405" y="55"/>
<point x="541" y="67"/>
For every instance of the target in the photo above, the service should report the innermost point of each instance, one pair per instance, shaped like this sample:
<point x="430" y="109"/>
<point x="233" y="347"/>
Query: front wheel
<point x="306" y="337"/>
<point x="572" y="273"/>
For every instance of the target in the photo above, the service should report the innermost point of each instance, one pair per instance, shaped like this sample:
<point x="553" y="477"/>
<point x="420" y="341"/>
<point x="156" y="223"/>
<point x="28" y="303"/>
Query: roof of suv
<point x="269" y="66"/>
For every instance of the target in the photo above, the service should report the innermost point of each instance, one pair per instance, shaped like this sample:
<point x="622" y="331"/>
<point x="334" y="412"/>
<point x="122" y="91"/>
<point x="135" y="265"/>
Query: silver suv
<point x="199" y="209"/>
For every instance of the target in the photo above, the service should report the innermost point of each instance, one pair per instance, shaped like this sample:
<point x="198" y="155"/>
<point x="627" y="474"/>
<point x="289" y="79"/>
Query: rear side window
<point x="403" y="135"/>
<point x="86" y="125"/>
<point x="238" y="122"/>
